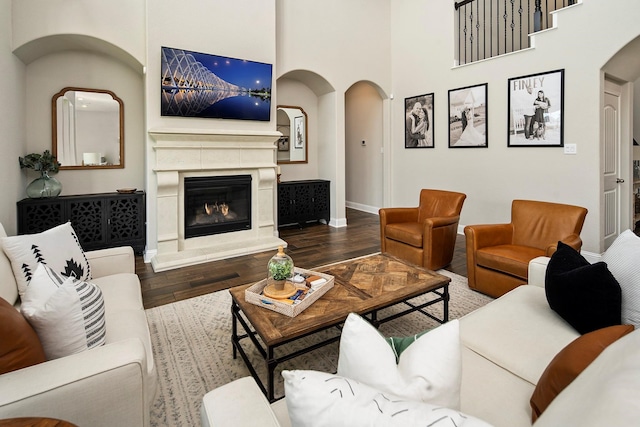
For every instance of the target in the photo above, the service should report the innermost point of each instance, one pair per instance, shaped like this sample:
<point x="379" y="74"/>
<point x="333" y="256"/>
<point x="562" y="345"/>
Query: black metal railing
<point x="488" y="28"/>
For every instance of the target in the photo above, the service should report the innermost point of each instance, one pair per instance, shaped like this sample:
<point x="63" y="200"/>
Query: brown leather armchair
<point x="426" y="235"/>
<point x="498" y="255"/>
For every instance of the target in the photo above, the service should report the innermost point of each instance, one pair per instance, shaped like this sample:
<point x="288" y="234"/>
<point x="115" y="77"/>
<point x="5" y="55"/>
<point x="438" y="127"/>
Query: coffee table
<point x="365" y="286"/>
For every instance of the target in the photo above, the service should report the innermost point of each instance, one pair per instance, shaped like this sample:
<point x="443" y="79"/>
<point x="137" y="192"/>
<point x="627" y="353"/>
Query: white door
<point x="614" y="184"/>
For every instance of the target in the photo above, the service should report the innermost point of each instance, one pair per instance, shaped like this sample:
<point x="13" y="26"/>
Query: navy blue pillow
<point x="585" y="295"/>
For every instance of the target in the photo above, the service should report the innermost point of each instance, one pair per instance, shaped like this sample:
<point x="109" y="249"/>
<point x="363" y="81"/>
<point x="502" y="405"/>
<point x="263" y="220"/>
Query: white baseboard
<point x="363" y="208"/>
<point x="149" y="254"/>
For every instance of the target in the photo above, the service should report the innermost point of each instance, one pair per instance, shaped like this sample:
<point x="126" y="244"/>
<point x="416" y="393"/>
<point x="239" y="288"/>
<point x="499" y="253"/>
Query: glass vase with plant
<point x="280" y="268"/>
<point x="46" y="165"/>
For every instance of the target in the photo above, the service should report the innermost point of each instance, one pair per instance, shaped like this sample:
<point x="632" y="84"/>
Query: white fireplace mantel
<point x="181" y="153"/>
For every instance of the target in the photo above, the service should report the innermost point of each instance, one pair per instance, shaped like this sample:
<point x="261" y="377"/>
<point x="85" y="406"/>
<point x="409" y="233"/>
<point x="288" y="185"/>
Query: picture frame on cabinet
<point x="468" y="117"/>
<point x="418" y="121"/>
<point x="283" y="143"/>
<point x="536" y="110"/>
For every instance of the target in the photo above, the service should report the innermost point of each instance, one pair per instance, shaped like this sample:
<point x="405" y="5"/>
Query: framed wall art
<point x="299" y="132"/>
<point x="536" y="110"/>
<point x="418" y="123"/>
<point x="468" y="117"/>
<point x="283" y="143"/>
<point x="197" y="84"/>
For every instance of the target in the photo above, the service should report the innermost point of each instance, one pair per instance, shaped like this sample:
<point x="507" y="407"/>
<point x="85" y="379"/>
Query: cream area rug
<point x="193" y="353"/>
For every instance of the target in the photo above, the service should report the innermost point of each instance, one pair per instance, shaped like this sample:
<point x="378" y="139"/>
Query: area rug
<point x="193" y="353"/>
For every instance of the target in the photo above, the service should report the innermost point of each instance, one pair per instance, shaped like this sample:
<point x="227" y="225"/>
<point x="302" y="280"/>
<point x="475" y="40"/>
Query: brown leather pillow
<point x="19" y="344"/>
<point x="570" y="362"/>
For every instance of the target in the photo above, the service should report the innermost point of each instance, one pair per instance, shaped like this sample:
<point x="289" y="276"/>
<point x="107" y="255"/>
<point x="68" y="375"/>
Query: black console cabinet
<point x="100" y="220"/>
<point x="302" y="201"/>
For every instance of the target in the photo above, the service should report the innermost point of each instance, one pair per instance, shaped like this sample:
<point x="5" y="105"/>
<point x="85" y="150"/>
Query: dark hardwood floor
<point x="311" y="246"/>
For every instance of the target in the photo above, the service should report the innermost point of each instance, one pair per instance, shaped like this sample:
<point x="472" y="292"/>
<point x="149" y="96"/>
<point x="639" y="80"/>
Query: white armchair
<point x="114" y="384"/>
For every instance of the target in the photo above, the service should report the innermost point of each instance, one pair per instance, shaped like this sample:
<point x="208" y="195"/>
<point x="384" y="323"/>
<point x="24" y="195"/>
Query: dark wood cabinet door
<point x="87" y="218"/>
<point x="36" y="216"/>
<point x="126" y="220"/>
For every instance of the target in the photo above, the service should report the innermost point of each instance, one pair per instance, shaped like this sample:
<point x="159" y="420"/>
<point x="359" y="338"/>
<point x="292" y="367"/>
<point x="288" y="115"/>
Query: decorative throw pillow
<point x="570" y="362"/>
<point x="586" y="295"/>
<point x="67" y="314"/>
<point x="319" y="399"/>
<point x="623" y="260"/>
<point x="604" y="394"/>
<point x="58" y="248"/>
<point x="19" y="344"/>
<point x="429" y="370"/>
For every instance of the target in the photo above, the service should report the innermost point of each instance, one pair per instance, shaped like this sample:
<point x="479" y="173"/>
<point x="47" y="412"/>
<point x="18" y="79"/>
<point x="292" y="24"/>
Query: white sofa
<point x="506" y="346"/>
<point x="111" y="385"/>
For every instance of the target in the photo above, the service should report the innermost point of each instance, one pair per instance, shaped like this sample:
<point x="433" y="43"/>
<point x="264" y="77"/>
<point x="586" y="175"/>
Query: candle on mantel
<point x="278" y="170"/>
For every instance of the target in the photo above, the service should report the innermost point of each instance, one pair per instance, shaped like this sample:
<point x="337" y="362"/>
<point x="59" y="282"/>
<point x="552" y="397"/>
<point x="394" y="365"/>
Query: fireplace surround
<point x="185" y="154"/>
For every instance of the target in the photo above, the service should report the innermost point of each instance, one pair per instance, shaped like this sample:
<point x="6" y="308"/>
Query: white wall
<point x="244" y="29"/>
<point x="12" y="123"/>
<point x="364" y="120"/>
<point x="343" y="42"/>
<point x="494" y="176"/>
<point x="114" y="27"/>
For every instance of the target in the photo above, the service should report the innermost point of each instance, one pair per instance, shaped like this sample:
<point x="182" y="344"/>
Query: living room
<point x="349" y="65"/>
<point x="126" y="57"/>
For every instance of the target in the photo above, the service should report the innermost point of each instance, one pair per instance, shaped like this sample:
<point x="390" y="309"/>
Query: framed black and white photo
<point x="468" y="117"/>
<point x="418" y="122"/>
<point x="536" y="110"/>
<point x="299" y="132"/>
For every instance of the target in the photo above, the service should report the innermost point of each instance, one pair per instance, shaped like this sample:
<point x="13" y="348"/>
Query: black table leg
<point x="234" y="328"/>
<point x="271" y="367"/>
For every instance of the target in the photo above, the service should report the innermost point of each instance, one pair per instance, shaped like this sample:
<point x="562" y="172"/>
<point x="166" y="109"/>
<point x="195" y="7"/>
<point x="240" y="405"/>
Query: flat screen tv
<point x="210" y="86"/>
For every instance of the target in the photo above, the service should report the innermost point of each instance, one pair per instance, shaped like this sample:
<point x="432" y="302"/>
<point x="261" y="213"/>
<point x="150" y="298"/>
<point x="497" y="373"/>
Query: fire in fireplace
<point x="216" y="204"/>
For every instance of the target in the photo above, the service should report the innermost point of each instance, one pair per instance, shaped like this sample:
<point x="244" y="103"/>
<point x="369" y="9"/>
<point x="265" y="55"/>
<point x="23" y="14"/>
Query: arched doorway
<point x="364" y="142"/>
<point x="624" y="69"/>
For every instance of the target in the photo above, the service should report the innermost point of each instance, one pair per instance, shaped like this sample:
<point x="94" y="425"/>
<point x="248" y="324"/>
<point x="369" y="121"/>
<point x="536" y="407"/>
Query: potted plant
<point x="46" y="165"/>
<point x="280" y="269"/>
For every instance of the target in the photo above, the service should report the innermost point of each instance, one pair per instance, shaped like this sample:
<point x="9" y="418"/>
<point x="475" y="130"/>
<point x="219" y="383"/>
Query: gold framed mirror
<point x="87" y="129"/>
<point x="291" y="121"/>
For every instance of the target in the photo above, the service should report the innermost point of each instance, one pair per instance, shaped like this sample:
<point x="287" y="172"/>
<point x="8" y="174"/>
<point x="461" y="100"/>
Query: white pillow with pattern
<point x="58" y="248"/>
<point x="67" y="314"/>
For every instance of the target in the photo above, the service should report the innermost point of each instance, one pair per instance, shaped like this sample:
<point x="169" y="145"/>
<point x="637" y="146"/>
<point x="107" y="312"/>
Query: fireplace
<point x="181" y="155"/>
<point x="216" y="204"/>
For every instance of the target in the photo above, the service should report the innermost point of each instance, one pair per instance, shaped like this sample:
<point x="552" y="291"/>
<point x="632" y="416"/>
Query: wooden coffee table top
<point x="361" y="286"/>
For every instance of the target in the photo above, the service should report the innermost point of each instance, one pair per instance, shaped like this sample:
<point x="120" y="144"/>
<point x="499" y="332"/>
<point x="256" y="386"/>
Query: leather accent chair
<point x="498" y="255"/>
<point x="423" y="235"/>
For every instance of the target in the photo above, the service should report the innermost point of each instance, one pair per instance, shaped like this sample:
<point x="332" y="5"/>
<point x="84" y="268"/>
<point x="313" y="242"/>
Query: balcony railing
<point x="488" y="28"/>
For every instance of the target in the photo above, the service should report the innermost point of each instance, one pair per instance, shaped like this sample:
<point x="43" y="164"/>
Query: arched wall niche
<point x="317" y="96"/>
<point x="40" y="47"/>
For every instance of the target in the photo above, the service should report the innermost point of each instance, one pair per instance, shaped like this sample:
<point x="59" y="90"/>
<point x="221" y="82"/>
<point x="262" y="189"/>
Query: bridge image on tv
<point x="209" y="86"/>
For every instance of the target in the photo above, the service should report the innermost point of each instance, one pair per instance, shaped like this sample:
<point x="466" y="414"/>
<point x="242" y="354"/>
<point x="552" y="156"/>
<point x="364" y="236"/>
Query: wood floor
<point x="311" y="246"/>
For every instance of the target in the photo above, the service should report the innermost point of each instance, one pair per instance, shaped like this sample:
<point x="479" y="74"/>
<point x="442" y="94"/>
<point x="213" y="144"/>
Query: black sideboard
<point x="100" y="220"/>
<point x="303" y="201"/>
